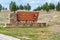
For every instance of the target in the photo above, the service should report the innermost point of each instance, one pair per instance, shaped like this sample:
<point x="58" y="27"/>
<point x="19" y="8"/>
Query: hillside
<point x="4" y="15"/>
<point x="51" y="17"/>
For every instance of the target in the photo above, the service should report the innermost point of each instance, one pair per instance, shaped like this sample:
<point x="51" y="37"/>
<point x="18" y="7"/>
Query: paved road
<point x="4" y="37"/>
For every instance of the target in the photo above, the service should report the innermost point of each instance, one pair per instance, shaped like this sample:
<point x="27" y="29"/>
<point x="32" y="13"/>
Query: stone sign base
<point x="13" y="22"/>
<point x="26" y="24"/>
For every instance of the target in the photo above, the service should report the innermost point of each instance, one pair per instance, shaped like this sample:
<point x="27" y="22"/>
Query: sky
<point x="33" y="3"/>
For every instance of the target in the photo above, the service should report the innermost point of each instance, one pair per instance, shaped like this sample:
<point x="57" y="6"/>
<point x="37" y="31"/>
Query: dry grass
<point x="31" y="33"/>
<point x="4" y="15"/>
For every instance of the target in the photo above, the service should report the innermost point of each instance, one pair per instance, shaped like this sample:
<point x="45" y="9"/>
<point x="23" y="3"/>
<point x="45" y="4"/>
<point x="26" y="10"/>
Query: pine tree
<point x="13" y="6"/>
<point x="0" y="7"/>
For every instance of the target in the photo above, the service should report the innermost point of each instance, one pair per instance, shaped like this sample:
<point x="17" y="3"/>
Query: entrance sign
<point x="27" y="15"/>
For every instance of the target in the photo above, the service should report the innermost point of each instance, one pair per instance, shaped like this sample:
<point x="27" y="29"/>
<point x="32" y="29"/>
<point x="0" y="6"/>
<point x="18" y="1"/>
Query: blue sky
<point x="33" y="3"/>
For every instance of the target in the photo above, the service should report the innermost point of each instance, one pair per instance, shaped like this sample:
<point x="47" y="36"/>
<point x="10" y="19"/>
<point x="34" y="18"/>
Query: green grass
<point x="31" y="33"/>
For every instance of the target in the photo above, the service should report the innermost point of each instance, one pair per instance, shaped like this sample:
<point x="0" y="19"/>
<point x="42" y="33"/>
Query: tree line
<point x="13" y="7"/>
<point x="2" y="8"/>
<point x="48" y="7"/>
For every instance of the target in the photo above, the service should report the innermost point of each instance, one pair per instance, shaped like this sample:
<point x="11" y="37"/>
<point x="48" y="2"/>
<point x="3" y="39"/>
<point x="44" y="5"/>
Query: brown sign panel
<point x="27" y="15"/>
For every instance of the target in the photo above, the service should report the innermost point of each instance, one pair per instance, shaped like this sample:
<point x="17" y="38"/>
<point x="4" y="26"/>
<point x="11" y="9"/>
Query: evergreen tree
<point x="58" y="6"/>
<point x="0" y="7"/>
<point x="45" y="7"/>
<point x="13" y="6"/>
<point x="38" y="8"/>
<point x="27" y="7"/>
<point x="21" y="7"/>
<point x="51" y="6"/>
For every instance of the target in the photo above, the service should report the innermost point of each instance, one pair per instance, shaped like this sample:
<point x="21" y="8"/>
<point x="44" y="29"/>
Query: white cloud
<point x="32" y="2"/>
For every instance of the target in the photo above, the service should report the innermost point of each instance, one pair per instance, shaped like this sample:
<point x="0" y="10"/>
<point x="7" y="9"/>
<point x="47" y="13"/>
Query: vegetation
<point x="38" y="8"/>
<point x="3" y="8"/>
<point x="30" y="33"/>
<point x="51" y="6"/>
<point x="45" y="7"/>
<point x="21" y="7"/>
<point x="13" y="6"/>
<point x="27" y="7"/>
<point x="58" y="6"/>
<point x="0" y="7"/>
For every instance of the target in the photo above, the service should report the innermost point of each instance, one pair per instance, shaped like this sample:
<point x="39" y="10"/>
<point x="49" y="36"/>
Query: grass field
<point x="31" y="33"/>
